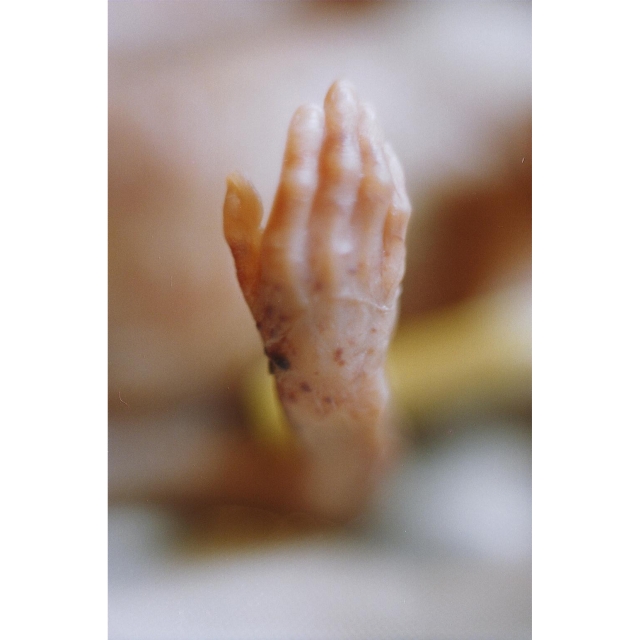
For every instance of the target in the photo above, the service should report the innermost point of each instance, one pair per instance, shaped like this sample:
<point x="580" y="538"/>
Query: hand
<point x="322" y="279"/>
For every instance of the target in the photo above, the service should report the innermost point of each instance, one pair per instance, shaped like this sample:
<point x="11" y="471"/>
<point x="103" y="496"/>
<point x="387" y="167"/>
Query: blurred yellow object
<point x="476" y="354"/>
<point x="263" y="409"/>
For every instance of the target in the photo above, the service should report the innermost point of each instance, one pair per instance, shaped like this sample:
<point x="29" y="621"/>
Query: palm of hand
<point x="322" y="279"/>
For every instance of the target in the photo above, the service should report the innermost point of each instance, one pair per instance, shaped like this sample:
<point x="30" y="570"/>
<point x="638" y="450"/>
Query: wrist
<point x="348" y="402"/>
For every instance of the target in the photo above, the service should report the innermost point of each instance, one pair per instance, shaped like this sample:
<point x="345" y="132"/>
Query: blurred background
<point x="208" y="536"/>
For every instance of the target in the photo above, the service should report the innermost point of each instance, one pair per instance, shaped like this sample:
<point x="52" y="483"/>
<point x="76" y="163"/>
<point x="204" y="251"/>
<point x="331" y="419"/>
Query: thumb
<point x="241" y="218"/>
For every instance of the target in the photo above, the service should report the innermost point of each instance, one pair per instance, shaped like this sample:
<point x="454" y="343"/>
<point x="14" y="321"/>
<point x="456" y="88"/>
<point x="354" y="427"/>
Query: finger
<point x="340" y="172"/>
<point x="375" y="193"/>
<point x="283" y="242"/>
<point x="242" y="214"/>
<point x="395" y="228"/>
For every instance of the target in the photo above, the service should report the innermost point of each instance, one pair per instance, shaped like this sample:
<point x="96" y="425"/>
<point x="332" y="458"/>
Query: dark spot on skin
<point x="337" y="356"/>
<point x="370" y="351"/>
<point x="318" y="286"/>
<point x="305" y="387"/>
<point x="281" y="361"/>
<point x="284" y="319"/>
<point x="278" y="360"/>
<point x="268" y="311"/>
<point x="327" y="399"/>
<point x="352" y="271"/>
<point x="374" y="330"/>
<point x="273" y="332"/>
<point x="258" y="325"/>
<point x="292" y="397"/>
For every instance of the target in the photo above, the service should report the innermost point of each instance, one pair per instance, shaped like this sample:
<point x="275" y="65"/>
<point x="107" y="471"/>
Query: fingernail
<point x="342" y="91"/>
<point x="235" y="181"/>
<point x="345" y="87"/>
<point x="309" y="116"/>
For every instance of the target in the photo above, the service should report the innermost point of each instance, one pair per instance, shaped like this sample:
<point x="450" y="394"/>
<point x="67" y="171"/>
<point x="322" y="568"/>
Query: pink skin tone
<point x="322" y="280"/>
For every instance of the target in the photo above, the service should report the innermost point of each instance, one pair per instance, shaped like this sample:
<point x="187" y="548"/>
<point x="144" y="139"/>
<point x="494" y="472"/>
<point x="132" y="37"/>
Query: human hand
<point x="322" y="279"/>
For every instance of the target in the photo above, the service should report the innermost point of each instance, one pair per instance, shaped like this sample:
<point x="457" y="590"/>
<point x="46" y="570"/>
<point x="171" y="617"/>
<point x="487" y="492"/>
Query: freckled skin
<point x="322" y="279"/>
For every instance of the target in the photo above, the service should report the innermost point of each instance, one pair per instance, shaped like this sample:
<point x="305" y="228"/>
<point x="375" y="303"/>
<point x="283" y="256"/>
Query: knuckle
<point x="298" y="184"/>
<point x="342" y="162"/>
<point x="377" y="186"/>
<point x="397" y="225"/>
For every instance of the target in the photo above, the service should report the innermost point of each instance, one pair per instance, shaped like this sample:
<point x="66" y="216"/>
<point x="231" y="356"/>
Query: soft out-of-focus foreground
<point x="208" y="536"/>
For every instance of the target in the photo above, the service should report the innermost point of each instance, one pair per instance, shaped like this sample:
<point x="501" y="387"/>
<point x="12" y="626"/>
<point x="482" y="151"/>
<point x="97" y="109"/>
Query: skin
<point x="322" y="280"/>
